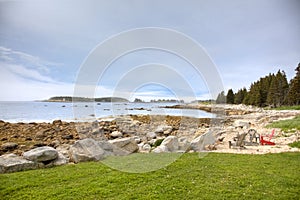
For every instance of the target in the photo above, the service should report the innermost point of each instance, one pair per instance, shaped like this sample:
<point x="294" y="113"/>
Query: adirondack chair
<point x="239" y="140"/>
<point x="253" y="135"/>
<point x="264" y="141"/>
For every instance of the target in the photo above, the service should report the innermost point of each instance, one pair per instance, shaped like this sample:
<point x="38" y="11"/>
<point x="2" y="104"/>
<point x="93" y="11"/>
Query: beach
<point x="237" y="119"/>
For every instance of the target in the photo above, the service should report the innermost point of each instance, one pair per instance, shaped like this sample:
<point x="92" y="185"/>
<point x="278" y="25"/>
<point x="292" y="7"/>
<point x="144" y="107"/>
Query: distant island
<point x="85" y="99"/>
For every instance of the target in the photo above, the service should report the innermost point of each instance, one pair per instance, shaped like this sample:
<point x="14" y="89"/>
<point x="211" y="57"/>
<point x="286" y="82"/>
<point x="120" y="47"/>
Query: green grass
<point x="287" y="108"/>
<point x="295" y="144"/>
<point x="215" y="176"/>
<point x="289" y="125"/>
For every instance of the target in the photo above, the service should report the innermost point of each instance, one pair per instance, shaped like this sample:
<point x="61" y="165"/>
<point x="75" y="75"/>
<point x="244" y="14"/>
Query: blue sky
<point x="44" y="43"/>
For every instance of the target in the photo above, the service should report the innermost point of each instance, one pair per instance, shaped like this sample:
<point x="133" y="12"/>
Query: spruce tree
<point x="221" y="98"/>
<point x="230" y="97"/>
<point x="239" y="97"/>
<point x="283" y="87"/>
<point x="273" y="89"/>
<point x="293" y="96"/>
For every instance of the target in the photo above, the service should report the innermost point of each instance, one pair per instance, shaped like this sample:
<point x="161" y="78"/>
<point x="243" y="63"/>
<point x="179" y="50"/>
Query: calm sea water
<point x="83" y="111"/>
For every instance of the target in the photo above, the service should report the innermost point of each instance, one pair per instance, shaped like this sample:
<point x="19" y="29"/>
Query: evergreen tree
<point x="278" y="89"/>
<point x="240" y="96"/>
<point x="264" y="87"/>
<point x="255" y="94"/>
<point x="221" y="98"/>
<point x="293" y="96"/>
<point x="282" y="88"/>
<point x="230" y="97"/>
<point x="271" y="99"/>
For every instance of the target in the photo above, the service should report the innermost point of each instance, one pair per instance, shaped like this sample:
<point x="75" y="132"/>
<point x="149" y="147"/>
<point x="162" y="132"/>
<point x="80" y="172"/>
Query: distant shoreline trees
<point x="272" y="90"/>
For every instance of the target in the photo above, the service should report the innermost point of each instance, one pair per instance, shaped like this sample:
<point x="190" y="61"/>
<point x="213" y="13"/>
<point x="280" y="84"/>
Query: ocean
<point x="32" y="111"/>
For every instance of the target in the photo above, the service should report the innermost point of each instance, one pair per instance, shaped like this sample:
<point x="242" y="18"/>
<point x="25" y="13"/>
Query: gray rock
<point x="159" y="129"/>
<point x="160" y="149"/>
<point x="108" y="148"/>
<point x="199" y="143"/>
<point x="116" y="134"/>
<point x="14" y="163"/>
<point x="146" y="147"/>
<point x="87" y="150"/>
<point x="183" y="144"/>
<point x="151" y="142"/>
<point x="64" y="150"/>
<point x="140" y="145"/>
<point x="137" y="139"/>
<point x="61" y="160"/>
<point x="163" y="129"/>
<point x="171" y="142"/>
<point x="41" y="154"/>
<point x="9" y="146"/>
<point x="151" y="135"/>
<point x="168" y="131"/>
<point x="127" y="145"/>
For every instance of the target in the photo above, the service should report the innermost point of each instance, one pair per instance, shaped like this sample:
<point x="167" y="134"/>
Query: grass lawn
<point x="287" y="108"/>
<point x="289" y="125"/>
<point x="215" y="176"/>
<point x="295" y="144"/>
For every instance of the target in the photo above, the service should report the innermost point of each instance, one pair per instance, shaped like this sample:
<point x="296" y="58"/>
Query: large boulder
<point x="86" y="150"/>
<point x="61" y="160"/>
<point x="124" y="145"/>
<point x="183" y="144"/>
<point x="171" y="142"/>
<point x="108" y="148"/>
<point x="41" y="154"/>
<point x="199" y="143"/>
<point x="14" y="163"/>
<point x="160" y="149"/>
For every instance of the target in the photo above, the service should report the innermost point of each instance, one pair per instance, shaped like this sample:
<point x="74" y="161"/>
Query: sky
<point x="44" y="46"/>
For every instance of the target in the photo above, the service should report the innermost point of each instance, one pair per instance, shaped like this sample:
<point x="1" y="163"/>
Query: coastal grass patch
<point x="215" y="176"/>
<point x="287" y="108"/>
<point x="289" y="125"/>
<point x="295" y="144"/>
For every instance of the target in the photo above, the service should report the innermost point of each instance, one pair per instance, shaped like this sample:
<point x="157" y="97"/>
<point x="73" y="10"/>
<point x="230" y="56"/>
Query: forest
<point x="273" y="90"/>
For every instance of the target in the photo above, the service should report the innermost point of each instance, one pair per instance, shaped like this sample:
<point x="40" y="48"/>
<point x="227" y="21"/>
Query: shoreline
<point x="28" y="145"/>
<point x="33" y="134"/>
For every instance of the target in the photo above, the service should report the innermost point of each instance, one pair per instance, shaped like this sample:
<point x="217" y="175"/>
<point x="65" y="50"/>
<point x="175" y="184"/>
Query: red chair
<point x="267" y="142"/>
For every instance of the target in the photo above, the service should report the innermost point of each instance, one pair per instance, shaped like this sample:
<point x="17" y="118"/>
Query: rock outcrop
<point x="41" y="154"/>
<point x="86" y="150"/>
<point x="13" y="163"/>
<point x="171" y="142"/>
<point x="199" y="143"/>
<point x="125" y="146"/>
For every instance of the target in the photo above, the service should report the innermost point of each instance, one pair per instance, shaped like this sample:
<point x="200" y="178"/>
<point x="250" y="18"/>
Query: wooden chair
<point x="264" y="141"/>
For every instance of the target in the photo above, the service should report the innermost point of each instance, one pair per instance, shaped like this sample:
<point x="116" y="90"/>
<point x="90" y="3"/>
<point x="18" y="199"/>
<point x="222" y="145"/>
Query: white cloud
<point x="15" y="87"/>
<point x="24" y="72"/>
<point x="16" y="57"/>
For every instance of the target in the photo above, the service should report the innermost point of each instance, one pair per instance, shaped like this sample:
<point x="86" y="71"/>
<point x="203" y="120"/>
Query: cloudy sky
<point x="44" y="45"/>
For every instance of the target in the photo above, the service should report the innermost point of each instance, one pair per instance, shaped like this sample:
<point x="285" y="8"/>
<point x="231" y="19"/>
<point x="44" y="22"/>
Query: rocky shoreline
<point x="36" y="145"/>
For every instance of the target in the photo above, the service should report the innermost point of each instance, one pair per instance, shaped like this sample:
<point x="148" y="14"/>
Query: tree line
<point x="273" y="90"/>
